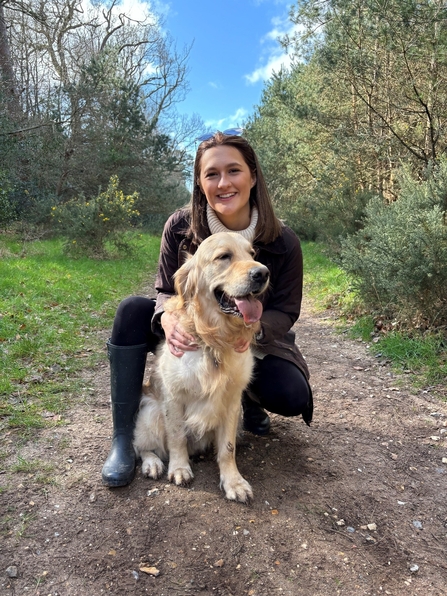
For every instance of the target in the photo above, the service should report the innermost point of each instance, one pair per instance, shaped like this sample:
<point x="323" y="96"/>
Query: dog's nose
<point x="259" y="275"/>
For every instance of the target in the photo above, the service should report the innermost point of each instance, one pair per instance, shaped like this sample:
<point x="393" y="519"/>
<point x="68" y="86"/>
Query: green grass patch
<point x="328" y="286"/>
<point x="325" y="283"/>
<point x="52" y="309"/>
<point x="423" y="354"/>
<point x="26" y="466"/>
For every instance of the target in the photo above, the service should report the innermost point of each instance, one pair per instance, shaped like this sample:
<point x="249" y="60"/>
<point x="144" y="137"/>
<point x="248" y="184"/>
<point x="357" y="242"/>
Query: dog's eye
<point x="224" y="256"/>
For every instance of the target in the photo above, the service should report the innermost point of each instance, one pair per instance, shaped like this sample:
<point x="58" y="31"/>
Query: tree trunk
<point x="6" y="69"/>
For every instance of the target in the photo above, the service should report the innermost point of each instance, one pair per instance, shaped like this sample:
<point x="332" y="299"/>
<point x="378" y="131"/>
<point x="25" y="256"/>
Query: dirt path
<point x="354" y="505"/>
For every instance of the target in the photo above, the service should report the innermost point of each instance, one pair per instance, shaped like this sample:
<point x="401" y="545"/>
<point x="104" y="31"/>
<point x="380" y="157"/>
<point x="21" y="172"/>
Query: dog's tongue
<point x="250" y="308"/>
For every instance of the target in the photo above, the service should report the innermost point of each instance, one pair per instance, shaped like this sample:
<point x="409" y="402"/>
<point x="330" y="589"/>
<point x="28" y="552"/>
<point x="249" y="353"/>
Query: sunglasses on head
<point x="229" y="132"/>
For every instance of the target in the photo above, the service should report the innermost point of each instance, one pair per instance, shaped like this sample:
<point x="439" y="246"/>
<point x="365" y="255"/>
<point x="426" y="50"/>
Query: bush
<point x="32" y="204"/>
<point x="93" y="226"/>
<point x="331" y="208"/>
<point x="7" y="213"/>
<point x="25" y="207"/>
<point x="399" y="258"/>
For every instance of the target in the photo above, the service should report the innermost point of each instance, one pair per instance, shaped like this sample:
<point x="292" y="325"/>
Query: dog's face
<point x="223" y="269"/>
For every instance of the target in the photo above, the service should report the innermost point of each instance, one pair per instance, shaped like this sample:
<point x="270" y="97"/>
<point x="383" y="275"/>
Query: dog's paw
<point x="180" y="476"/>
<point x="152" y="466"/>
<point x="237" y="489"/>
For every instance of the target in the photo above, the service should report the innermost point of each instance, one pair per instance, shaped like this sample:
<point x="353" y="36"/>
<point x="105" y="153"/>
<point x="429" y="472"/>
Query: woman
<point x="229" y="194"/>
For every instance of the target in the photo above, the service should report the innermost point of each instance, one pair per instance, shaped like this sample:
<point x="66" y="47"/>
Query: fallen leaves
<point x="150" y="571"/>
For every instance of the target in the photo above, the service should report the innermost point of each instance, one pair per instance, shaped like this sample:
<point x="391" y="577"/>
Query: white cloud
<point x="138" y="10"/>
<point x="273" y="57"/>
<point x="235" y="120"/>
<point x="135" y="9"/>
<point x="274" y="64"/>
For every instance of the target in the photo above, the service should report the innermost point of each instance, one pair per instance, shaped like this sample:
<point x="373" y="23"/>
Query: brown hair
<point x="269" y="226"/>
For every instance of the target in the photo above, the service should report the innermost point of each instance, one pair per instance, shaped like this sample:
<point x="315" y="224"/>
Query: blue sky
<point x="235" y="50"/>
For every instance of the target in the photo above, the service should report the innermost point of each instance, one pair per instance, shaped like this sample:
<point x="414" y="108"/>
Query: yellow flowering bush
<point x="95" y="225"/>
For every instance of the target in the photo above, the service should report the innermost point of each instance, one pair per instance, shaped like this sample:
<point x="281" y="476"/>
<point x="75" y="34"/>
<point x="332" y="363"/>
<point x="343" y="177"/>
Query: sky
<point x="235" y="50"/>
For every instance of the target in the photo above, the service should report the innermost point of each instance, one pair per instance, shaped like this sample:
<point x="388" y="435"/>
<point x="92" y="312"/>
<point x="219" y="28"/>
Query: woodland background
<point x="352" y="138"/>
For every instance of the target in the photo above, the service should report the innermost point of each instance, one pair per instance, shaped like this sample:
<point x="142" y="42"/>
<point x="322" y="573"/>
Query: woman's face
<point x="226" y="181"/>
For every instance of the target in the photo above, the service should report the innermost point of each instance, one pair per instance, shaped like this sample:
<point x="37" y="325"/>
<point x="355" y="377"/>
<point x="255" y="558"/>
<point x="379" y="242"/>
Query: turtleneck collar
<point x="215" y="225"/>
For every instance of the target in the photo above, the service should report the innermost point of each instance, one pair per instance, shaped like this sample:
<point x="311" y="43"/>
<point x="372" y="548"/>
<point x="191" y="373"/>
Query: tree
<point x="97" y="85"/>
<point x="391" y="57"/>
<point x="7" y="78"/>
<point x="367" y="91"/>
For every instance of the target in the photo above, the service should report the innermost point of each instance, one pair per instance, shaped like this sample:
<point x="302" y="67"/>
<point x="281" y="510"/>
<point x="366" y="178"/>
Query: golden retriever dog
<point x="194" y="401"/>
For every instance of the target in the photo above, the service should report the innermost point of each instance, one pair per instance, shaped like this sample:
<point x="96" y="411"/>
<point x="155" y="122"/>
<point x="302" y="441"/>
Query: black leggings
<point x="279" y="385"/>
<point x="132" y="324"/>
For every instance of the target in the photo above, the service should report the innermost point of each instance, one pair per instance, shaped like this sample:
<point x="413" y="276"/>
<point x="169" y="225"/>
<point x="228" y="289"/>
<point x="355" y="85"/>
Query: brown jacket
<point x="281" y="303"/>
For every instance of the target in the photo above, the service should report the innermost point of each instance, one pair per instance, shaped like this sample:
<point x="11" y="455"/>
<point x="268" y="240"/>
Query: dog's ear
<point x="185" y="281"/>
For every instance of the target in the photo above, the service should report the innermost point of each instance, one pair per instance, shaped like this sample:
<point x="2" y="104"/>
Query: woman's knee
<point x="281" y="387"/>
<point x="134" y="306"/>
<point x="291" y="401"/>
<point x="132" y="324"/>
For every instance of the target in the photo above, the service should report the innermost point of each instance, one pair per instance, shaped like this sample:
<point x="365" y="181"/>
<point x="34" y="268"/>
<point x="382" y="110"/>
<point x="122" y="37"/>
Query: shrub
<point x="33" y="205"/>
<point x="92" y="226"/>
<point x="399" y="258"/>
<point x="7" y="213"/>
<point x="26" y="207"/>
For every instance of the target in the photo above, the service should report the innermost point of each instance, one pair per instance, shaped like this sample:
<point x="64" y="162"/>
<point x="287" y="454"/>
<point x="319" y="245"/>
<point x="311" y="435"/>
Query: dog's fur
<point x="195" y="400"/>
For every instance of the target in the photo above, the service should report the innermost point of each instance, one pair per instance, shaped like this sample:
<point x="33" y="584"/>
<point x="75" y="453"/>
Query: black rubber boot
<point x="127" y="365"/>
<point x="256" y="419"/>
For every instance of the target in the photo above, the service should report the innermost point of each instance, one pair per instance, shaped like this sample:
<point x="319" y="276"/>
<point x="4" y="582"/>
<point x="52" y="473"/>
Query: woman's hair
<point x="268" y="227"/>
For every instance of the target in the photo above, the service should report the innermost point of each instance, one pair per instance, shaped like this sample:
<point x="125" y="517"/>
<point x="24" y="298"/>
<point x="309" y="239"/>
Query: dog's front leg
<point x="235" y="486"/>
<point x="179" y="470"/>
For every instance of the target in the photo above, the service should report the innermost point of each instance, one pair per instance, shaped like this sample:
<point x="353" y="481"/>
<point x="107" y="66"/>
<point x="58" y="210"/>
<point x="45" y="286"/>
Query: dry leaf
<point x="219" y="563"/>
<point x="274" y="512"/>
<point x="150" y="571"/>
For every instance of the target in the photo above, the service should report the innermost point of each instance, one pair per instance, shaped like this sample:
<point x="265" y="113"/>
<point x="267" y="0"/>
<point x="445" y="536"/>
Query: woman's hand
<point x="241" y="345"/>
<point x="177" y="339"/>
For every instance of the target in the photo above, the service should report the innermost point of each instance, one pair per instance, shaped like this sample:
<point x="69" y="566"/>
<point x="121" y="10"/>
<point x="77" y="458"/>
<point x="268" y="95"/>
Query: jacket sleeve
<point x="167" y="266"/>
<point x="283" y="305"/>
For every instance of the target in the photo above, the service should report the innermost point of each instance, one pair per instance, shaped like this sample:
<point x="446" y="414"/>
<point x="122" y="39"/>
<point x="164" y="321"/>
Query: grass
<point x="25" y="520"/>
<point x="327" y="286"/>
<point x="30" y="466"/>
<point x="52" y="310"/>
